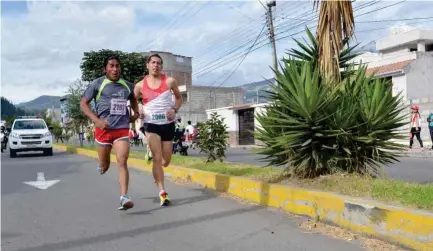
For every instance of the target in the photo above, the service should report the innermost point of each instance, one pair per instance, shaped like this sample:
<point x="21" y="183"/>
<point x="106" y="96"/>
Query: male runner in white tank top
<point x="158" y="114"/>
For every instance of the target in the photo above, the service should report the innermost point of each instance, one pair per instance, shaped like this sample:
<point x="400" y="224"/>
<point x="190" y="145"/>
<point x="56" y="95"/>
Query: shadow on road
<point x="138" y="231"/>
<point x="177" y="202"/>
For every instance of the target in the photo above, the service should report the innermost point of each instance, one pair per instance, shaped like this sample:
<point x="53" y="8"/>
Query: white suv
<point x="30" y="134"/>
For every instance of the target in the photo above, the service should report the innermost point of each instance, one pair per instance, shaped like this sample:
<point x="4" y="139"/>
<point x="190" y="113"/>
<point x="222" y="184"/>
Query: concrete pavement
<point x="80" y="213"/>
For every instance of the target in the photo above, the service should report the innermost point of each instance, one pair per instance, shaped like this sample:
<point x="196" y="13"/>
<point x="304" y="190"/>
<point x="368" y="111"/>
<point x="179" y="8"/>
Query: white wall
<point x="399" y="84"/>
<point x="230" y="117"/>
<point x="420" y="76"/>
<point x="408" y="37"/>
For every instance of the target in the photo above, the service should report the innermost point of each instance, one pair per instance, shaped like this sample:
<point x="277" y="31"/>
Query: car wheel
<point x="48" y="152"/>
<point x="13" y="153"/>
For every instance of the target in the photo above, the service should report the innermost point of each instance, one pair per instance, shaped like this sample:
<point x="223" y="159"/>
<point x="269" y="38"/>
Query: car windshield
<point x="29" y="124"/>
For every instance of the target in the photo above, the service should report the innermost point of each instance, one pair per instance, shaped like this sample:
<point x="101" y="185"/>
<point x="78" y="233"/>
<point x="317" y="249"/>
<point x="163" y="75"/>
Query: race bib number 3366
<point x="118" y="107"/>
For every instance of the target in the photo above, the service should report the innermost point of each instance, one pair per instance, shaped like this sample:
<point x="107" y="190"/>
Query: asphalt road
<point x="80" y="213"/>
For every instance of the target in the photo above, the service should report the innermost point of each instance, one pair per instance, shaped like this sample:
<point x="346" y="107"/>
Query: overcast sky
<point x="42" y="42"/>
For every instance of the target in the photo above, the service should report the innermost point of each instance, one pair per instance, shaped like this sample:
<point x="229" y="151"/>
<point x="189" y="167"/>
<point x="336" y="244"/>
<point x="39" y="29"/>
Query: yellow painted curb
<point x="407" y="227"/>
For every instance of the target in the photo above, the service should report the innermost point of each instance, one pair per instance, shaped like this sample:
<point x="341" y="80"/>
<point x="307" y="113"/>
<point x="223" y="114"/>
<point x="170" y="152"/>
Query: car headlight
<point x="47" y="134"/>
<point x="14" y="135"/>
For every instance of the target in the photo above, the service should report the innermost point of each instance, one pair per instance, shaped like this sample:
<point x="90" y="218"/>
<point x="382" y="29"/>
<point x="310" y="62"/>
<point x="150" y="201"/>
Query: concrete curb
<point x="406" y="227"/>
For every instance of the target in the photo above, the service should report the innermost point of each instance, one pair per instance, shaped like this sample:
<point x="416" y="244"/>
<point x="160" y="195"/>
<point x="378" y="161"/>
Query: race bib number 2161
<point x="118" y="107"/>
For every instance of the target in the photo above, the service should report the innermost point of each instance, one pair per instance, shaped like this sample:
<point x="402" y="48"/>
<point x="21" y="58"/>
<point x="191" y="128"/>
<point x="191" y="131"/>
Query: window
<point x="29" y="125"/>
<point x="185" y="98"/>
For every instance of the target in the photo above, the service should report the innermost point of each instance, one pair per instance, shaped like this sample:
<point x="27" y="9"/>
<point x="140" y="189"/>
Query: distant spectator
<point x="430" y="127"/>
<point x="415" y="127"/>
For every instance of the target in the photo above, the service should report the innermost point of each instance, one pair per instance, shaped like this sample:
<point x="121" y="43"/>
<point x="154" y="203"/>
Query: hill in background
<point x="41" y="103"/>
<point x="252" y="89"/>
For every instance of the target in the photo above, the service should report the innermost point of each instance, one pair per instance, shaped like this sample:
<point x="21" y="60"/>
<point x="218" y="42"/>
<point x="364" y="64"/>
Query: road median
<point x="407" y="227"/>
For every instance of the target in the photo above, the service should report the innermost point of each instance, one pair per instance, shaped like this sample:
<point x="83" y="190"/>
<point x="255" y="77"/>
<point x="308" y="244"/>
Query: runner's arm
<point x="88" y="95"/>
<point x="177" y="94"/>
<point x="133" y="101"/>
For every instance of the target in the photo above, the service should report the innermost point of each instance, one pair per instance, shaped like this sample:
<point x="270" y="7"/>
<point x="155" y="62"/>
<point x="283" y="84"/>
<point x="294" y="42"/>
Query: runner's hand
<point x="103" y="124"/>
<point x="141" y="115"/>
<point x="134" y="117"/>
<point x="171" y="115"/>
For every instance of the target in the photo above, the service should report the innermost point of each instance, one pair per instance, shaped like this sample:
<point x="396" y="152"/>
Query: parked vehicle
<point x="30" y="134"/>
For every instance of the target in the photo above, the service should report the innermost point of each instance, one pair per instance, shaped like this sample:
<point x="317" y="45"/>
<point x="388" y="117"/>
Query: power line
<point x="241" y="61"/>
<point x="239" y="12"/>
<point x="216" y="66"/>
<point x="394" y="20"/>
<point x="239" y="32"/>
<point x="231" y="50"/>
<point x="167" y="23"/>
<point x="245" y="55"/>
<point x="166" y="30"/>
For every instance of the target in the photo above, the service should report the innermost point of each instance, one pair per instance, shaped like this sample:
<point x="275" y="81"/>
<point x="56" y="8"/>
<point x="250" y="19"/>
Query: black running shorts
<point x="166" y="132"/>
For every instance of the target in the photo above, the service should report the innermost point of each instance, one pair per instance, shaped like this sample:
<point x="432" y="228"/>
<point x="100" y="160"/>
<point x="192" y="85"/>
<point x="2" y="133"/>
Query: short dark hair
<point x="189" y="122"/>
<point x="111" y="58"/>
<point x="154" y="55"/>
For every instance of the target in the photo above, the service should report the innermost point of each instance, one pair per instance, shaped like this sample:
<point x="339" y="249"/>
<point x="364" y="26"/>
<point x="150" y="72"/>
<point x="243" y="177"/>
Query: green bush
<point x="317" y="127"/>
<point x="212" y="139"/>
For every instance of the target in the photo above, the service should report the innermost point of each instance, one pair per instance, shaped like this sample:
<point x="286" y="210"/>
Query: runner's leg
<point x="167" y="151"/>
<point x="154" y="140"/>
<point x="121" y="147"/>
<point x="103" y="140"/>
<point x="167" y="143"/>
<point x="104" y="157"/>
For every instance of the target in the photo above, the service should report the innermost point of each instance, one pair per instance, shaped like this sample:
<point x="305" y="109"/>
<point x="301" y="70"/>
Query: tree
<point x="133" y="65"/>
<point x="78" y="120"/>
<point x="9" y="110"/>
<point x="336" y="23"/>
<point x="212" y="138"/>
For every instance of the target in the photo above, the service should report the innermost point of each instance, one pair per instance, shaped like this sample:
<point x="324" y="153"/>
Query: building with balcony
<point x="406" y="58"/>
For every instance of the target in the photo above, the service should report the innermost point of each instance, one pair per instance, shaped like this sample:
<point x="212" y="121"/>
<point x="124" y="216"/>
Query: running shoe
<point x="125" y="203"/>
<point x="163" y="196"/>
<point x="148" y="155"/>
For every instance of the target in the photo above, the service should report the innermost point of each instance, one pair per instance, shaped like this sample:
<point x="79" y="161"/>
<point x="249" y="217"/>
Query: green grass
<point x="419" y="196"/>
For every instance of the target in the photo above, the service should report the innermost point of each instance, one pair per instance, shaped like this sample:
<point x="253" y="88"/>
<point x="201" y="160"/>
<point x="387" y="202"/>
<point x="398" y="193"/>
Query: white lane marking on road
<point x="40" y="182"/>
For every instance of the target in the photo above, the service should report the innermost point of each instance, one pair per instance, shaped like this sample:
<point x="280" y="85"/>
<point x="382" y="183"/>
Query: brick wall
<point x="182" y="78"/>
<point x="233" y="138"/>
<point x="200" y="100"/>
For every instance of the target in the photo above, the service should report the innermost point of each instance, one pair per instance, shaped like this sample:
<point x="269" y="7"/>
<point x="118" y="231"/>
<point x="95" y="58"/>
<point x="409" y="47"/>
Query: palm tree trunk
<point x="336" y="22"/>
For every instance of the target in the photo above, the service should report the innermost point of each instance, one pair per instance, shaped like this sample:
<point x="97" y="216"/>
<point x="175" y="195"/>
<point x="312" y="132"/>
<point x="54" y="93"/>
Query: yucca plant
<point x="316" y="126"/>
<point x="309" y="51"/>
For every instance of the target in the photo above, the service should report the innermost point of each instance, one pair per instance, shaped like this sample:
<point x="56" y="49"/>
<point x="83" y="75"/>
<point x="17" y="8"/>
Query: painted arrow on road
<point x="40" y="182"/>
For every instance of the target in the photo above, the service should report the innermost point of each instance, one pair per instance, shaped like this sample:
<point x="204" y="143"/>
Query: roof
<point x="389" y="68"/>
<point x="241" y="107"/>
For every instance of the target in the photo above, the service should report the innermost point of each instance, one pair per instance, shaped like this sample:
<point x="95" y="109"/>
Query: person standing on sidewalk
<point x="415" y="129"/>
<point x="430" y="127"/>
<point x="158" y="113"/>
<point x="111" y="94"/>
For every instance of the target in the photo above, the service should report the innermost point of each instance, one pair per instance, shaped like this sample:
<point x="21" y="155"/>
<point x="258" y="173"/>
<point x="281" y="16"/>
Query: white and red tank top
<point x="156" y="102"/>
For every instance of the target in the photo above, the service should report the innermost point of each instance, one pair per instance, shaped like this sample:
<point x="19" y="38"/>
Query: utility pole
<point x="270" y="4"/>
